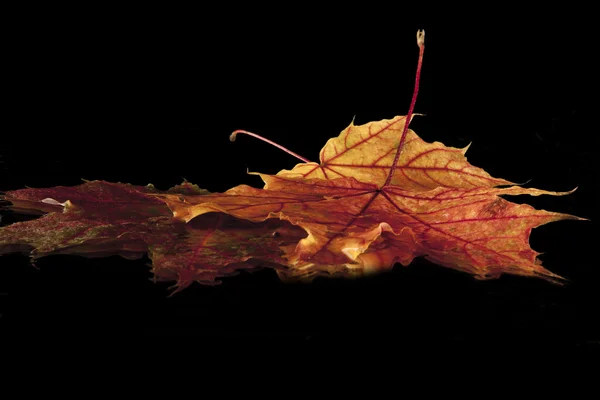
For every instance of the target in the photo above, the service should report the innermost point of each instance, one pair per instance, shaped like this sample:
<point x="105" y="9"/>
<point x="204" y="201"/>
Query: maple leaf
<point x="366" y="153"/>
<point x="379" y="196"/>
<point x="355" y="228"/>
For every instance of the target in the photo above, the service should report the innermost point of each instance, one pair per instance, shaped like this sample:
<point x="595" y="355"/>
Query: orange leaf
<point x="366" y="152"/>
<point x="379" y="196"/>
<point x="470" y="230"/>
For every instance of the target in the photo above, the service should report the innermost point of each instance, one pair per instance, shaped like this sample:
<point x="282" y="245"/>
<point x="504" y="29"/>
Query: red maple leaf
<point x="380" y="195"/>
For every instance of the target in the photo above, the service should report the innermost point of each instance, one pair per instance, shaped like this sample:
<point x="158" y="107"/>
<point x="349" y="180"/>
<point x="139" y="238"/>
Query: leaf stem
<point x="421" y="44"/>
<point x="235" y="133"/>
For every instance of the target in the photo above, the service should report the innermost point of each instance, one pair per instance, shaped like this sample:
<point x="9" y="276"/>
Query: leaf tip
<point x="53" y="202"/>
<point x="464" y="149"/>
<point x="551" y="277"/>
<point x="523" y="183"/>
<point x="567" y="192"/>
<point x="576" y="218"/>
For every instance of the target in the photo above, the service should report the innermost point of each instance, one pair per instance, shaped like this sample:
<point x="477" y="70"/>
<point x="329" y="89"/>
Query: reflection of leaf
<point x="380" y="195"/>
<point x="217" y="245"/>
<point x="107" y="218"/>
<point x="97" y="218"/>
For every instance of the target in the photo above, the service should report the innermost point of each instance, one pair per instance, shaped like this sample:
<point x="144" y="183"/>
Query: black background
<point x="144" y="96"/>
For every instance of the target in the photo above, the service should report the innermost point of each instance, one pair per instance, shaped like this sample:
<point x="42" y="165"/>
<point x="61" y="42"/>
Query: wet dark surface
<point x="157" y="102"/>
